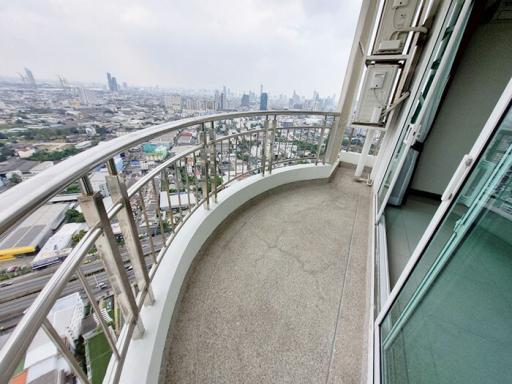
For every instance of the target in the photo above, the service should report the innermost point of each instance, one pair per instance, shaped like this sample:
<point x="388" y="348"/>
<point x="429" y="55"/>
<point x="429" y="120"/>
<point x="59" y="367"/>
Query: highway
<point x="17" y="297"/>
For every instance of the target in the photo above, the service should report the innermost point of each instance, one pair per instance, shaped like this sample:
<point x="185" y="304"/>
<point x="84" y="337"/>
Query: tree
<point x="73" y="216"/>
<point x="75" y="239"/>
<point x="15" y="178"/>
<point x="73" y="188"/>
<point x="80" y="352"/>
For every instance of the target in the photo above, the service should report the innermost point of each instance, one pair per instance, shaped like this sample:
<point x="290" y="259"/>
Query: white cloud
<point x="285" y="45"/>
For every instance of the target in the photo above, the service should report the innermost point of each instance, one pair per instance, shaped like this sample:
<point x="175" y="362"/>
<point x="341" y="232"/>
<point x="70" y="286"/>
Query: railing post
<point x="146" y="221"/>
<point x="272" y="141"/>
<point x="213" y="159"/>
<point x="94" y="212"/>
<point x="264" y="147"/>
<point x="118" y="192"/>
<point x="164" y="179"/>
<point x="204" y="168"/>
<point x="156" y="192"/>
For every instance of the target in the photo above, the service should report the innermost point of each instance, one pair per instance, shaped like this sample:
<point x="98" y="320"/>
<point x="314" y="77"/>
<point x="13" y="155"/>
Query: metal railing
<point x="153" y="208"/>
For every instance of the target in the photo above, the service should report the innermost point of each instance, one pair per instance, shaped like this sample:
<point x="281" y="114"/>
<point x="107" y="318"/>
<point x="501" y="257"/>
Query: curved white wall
<point x="144" y="356"/>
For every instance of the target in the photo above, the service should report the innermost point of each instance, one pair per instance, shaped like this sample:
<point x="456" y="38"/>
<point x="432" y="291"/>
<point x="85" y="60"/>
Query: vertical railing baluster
<point x="68" y="356"/>
<point x="229" y="159"/>
<point x="187" y="184"/>
<point x="236" y="155"/>
<point x="205" y="174"/>
<point x="164" y="181"/>
<point x="92" y="299"/>
<point x="158" y="211"/>
<point x="196" y="179"/>
<point x="213" y="159"/>
<point x="146" y="220"/>
<point x="222" y="158"/>
<point x="300" y="143"/>
<point x="287" y="139"/>
<point x="279" y="145"/>
<point x="264" y="147"/>
<point x="178" y="188"/>
<point x="272" y="143"/>
<point x="244" y="138"/>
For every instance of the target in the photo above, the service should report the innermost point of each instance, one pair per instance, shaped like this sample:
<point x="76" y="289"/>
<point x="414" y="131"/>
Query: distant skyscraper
<point x="112" y="83"/>
<point x="109" y="81"/>
<point x="63" y="82"/>
<point x="30" y="77"/>
<point x="115" y="86"/>
<point x="87" y="97"/>
<point x="245" y="100"/>
<point x="263" y="101"/>
<point x="222" y="101"/>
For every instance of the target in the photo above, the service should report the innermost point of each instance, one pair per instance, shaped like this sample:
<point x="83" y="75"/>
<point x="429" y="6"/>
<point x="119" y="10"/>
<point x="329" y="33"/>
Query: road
<point x="16" y="298"/>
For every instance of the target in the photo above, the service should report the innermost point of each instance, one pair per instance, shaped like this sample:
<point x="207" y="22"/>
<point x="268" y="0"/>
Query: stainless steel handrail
<point x="24" y="198"/>
<point x="29" y="195"/>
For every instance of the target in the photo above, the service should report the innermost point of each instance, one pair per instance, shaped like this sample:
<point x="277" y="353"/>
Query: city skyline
<point x="106" y="85"/>
<point x="190" y="45"/>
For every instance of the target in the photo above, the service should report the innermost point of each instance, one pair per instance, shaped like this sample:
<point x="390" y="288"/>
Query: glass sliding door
<point x="451" y="321"/>
<point x="420" y="116"/>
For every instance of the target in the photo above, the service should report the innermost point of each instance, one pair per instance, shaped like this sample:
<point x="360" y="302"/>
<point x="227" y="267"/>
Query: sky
<point x="285" y="45"/>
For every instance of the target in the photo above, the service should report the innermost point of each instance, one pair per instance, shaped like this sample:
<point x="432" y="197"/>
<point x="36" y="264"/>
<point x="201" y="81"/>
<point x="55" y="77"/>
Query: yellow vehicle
<point x="11" y="253"/>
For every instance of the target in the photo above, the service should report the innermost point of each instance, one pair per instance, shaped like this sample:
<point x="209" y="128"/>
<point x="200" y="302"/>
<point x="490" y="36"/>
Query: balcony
<point x="278" y="293"/>
<point x="277" y="257"/>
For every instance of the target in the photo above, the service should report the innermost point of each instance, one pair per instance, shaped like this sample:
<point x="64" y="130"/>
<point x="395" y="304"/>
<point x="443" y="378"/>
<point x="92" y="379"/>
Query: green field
<point x="98" y="352"/>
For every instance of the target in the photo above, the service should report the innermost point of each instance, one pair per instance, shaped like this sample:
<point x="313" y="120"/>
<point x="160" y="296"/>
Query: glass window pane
<point x="451" y="323"/>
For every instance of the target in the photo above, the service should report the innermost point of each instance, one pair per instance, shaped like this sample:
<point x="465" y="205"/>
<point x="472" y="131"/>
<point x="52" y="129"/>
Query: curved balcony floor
<point x="279" y="294"/>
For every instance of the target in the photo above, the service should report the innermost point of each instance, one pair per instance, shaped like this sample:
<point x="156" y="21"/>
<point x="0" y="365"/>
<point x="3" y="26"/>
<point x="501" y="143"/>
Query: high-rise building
<point x="115" y="86"/>
<point x="30" y="77"/>
<point x="109" y="81"/>
<point x="87" y="96"/>
<point x="245" y="100"/>
<point x="63" y="82"/>
<point x="112" y="83"/>
<point x="222" y="101"/>
<point x="263" y="101"/>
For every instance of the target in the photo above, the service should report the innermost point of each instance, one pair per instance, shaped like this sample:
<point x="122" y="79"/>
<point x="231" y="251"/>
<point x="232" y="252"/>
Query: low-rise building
<point x="58" y="246"/>
<point x="33" y="232"/>
<point x="43" y="360"/>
